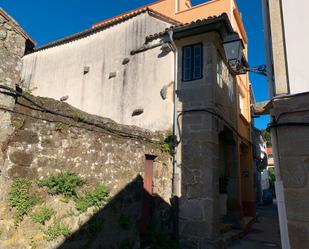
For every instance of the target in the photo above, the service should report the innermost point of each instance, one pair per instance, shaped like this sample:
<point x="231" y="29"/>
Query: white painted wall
<point x="295" y="17"/>
<point x="59" y="71"/>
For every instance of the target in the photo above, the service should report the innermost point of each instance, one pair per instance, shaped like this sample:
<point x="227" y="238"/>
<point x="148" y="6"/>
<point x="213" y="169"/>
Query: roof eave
<point x="219" y="24"/>
<point x="104" y="26"/>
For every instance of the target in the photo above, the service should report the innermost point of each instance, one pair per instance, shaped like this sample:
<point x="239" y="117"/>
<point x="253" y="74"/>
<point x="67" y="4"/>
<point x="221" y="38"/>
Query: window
<point x="241" y="104"/>
<point x="224" y="77"/>
<point x="230" y="86"/>
<point x="192" y="62"/>
<point x="219" y="70"/>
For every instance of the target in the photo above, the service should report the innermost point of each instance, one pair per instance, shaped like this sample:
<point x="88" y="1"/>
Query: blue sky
<point x="48" y="20"/>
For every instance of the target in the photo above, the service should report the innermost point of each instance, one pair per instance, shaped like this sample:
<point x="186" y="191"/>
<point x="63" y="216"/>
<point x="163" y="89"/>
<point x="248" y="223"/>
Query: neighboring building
<point x="287" y="42"/>
<point x="270" y="161"/>
<point x="260" y="159"/>
<point x="124" y="68"/>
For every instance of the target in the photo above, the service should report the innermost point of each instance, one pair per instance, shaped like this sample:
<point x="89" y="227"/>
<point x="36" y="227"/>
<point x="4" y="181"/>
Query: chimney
<point x="182" y="5"/>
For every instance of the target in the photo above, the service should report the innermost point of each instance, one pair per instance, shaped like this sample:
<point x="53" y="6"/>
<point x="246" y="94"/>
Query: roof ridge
<point x="124" y="14"/>
<point x="99" y="28"/>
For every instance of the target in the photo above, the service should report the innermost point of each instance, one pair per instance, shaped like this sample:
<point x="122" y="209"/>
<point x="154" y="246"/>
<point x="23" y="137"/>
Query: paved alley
<point x="264" y="233"/>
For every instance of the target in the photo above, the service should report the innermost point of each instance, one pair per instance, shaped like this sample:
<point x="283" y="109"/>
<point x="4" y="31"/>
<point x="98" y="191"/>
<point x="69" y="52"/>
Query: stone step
<point x="231" y="236"/>
<point x="248" y="222"/>
<point x="225" y="227"/>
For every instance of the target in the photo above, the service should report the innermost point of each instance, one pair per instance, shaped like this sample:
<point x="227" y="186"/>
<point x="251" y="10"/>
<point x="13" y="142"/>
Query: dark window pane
<point x="192" y="62"/>
<point x="197" y="64"/>
<point x="187" y="65"/>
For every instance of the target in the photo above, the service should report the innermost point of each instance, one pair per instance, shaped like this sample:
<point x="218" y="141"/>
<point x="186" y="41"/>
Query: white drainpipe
<point x="176" y="187"/>
<point x="284" y="233"/>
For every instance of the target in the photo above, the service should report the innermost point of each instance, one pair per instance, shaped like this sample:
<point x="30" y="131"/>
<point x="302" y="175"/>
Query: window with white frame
<point x="220" y="63"/>
<point x="224" y="77"/>
<point x="231" y="87"/>
<point x="241" y="104"/>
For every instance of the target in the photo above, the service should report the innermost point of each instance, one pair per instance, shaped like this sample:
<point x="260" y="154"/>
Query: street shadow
<point x="125" y="224"/>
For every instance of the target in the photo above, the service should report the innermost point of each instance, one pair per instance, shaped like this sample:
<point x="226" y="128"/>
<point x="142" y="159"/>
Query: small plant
<point x="167" y="146"/>
<point x="56" y="230"/>
<point x="19" y="123"/>
<point x="96" y="197"/>
<point x="29" y="90"/>
<point x="124" y="222"/>
<point x="59" y="127"/>
<point x="64" y="183"/>
<point x="69" y="213"/>
<point x="33" y="244"/>
<point x="42" y="215"/>
<point x="21" y="199"/>
<point x="79" y="116"/>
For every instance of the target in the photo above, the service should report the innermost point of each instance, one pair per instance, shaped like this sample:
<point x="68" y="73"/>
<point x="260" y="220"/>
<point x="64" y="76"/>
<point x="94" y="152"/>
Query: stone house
<point x="287" y="61"/>
<point x="170" y="75"/>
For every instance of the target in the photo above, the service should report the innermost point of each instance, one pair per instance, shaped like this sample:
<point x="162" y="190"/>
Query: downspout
<point x="284" y="233"/>
<point x="175" y="181"/>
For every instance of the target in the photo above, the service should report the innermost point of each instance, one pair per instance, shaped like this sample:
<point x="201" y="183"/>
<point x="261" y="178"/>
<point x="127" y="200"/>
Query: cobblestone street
<point x="264" y="233"/>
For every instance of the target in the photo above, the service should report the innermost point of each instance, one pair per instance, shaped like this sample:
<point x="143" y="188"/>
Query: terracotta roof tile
<point x="209" y="20"/>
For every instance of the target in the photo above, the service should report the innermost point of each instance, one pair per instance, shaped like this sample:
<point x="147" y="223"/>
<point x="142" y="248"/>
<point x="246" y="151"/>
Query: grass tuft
<point x="56" y="230"/>
<point x="42" y="215"/>
<point x="65" y="183"/>
<point x="96" y="197"/>
<point x="21" y="199"/>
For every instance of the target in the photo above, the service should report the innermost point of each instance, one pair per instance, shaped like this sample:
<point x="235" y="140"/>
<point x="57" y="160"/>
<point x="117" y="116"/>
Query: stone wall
<point x="13" y="46"/>
<point x="293" y="147"/>
<point x="98" y="150"/>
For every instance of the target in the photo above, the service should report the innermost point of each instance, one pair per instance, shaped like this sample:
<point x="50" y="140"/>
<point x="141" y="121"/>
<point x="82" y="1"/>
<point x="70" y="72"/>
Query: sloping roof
<point x="111" y="22"/>
<point x="212" y="22"/>
<point x="122" y="15"/>
<point x="16" y="26"/>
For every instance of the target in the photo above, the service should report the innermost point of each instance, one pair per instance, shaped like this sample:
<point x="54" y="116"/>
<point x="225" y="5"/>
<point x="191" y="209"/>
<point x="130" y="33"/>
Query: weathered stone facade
<point x="13" y="45"/>
<point x="208" y="148"/>
<point x="43" y="144"/>
<point x="293" y="144"/>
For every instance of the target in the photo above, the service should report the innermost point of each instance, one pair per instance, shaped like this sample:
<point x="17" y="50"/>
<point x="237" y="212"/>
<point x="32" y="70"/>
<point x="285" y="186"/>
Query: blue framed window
<point x="192" y="62"/>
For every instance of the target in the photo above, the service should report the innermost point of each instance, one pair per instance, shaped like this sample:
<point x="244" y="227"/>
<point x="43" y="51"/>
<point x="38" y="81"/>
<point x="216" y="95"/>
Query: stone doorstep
<point x="231" y="236"/>
<point x="228" y="235"/>
<point x="225" y="227"/>
<point x="248" y="222"/>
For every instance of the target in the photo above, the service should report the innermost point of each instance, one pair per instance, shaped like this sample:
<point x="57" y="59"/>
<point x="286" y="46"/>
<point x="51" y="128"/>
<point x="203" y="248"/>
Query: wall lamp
<point x="233" y="48"/>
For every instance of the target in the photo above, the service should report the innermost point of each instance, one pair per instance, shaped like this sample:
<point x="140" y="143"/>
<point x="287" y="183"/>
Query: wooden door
<point x="147" y="195"/>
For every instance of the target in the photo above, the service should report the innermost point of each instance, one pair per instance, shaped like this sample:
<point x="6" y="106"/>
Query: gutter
<point x="176" y="179"/>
